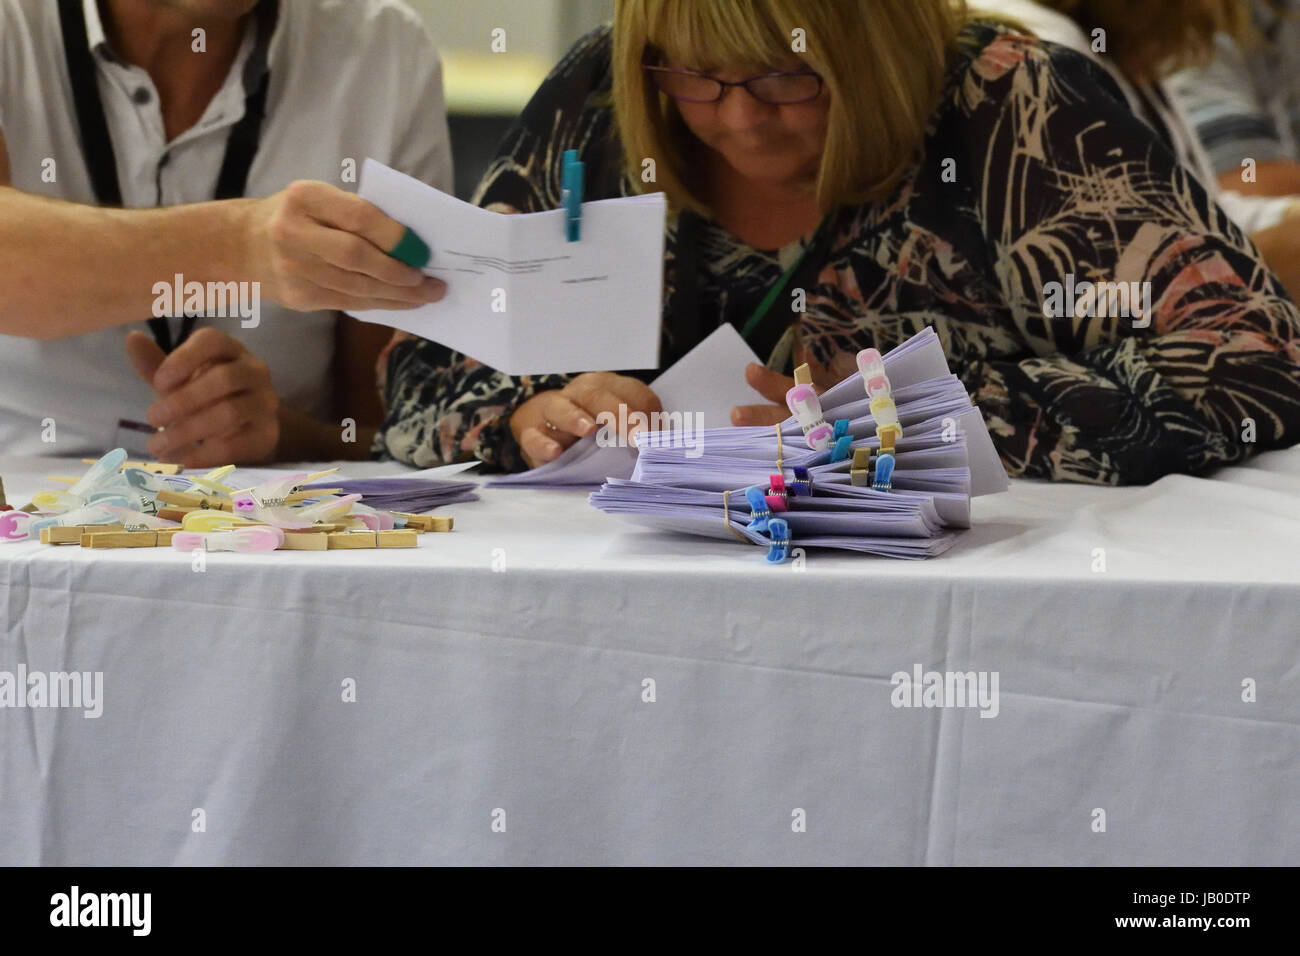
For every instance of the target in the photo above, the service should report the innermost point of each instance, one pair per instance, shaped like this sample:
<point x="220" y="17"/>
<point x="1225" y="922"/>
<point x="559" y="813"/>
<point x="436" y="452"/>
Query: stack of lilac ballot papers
<point x="414" y="495"/>
<point x="726" y="482"/>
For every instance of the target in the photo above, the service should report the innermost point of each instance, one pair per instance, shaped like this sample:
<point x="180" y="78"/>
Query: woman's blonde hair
<point x="883" y="62"/>
<point x="1149" y="40"/>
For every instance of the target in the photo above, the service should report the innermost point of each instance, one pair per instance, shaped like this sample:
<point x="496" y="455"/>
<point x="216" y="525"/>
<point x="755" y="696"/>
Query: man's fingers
<point x="145" y="355"/>
<point x="222" y="418"/>
<point x="772" y="385"/>
<point x="759" y="414"/>
<point x="361" y="284"/>
<point x="246" y="445"/>
<point x="204" y="346"/>
<point x="343" y="210"/>
<point x="217" y="381"/>
<point x="356" y="254"/>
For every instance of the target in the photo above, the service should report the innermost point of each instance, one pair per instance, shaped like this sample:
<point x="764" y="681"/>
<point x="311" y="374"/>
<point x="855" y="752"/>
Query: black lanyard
<point x="97" y="145"/>
<point x="691" y="321"/>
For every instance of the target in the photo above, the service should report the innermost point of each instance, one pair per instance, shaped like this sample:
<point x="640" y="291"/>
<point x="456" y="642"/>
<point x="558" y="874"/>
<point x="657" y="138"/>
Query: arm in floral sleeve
<point x="1073" y="188"/>
<point x="443" y="406"/>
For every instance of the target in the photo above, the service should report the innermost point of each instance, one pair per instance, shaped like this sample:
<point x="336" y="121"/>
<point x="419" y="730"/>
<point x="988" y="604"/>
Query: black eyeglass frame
<point x="656" y="71"/>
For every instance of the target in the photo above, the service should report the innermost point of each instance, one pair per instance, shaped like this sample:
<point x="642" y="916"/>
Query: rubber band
<point x="726" y="518"/>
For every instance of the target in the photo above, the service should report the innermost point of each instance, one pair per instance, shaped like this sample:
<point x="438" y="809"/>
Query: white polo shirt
<point x="349" y="79"/>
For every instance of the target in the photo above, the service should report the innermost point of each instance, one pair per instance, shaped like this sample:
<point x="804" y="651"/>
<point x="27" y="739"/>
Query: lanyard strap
<point x="97" y="145"/>
<point x="766" y="305"/>
<point x="687" y="276"/>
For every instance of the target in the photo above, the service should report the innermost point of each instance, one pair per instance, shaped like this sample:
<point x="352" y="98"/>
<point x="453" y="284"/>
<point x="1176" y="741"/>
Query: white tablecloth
<point x="500" y="671"/>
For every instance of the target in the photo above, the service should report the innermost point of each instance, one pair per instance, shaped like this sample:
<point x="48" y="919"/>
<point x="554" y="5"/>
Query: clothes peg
<point x="860" y="474"/>
<point x="141" y="521"/>
<point x="188" y="499"/>
<point x="871" y="366"/>
<point x="776" y="493"/>
<point x="760" y="512"/>
<point x="304" y="541"/>
<point x="98" y="473"/>
<point x="779" y="547"/>
<point x="254" y="539"/>
<point x="425" y="522"/>
<point x="128" y="539"/>
<point x="884" y="479"/>
<point x="15" y="525"/>
<point x="802" y="484"/>
<point x="802" y="376"/>
<point x="806" y="407"/>
<point x="89" y="514"/>
<point x="57" y="535"/>
<point x="841" y="439"/>
<point x="351" y="540"/>
<point x="571" y="183"/>
<point x="888" y="429"/>
<point x="211" y="482"/>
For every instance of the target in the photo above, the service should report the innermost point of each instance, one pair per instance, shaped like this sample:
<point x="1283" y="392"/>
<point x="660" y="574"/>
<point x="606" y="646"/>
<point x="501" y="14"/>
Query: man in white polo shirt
<point x="170" y="103"/>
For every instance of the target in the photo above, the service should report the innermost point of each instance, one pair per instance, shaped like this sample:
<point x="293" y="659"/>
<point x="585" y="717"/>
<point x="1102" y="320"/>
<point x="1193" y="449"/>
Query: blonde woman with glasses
<point x="902" y="164"/>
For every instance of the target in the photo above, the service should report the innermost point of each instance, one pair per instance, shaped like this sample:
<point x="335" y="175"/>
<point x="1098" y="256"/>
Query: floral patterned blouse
<point x="1033" y="172"/>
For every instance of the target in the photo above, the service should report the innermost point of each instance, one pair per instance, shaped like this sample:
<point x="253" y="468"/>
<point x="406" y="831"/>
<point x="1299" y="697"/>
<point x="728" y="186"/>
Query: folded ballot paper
<point x="698" y="391"/>
<point x="943" y="457"/>
<point x="522" y="298"/>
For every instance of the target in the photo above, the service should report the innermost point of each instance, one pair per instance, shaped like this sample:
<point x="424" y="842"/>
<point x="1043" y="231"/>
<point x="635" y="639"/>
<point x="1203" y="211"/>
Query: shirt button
<point x="141" y="96"/>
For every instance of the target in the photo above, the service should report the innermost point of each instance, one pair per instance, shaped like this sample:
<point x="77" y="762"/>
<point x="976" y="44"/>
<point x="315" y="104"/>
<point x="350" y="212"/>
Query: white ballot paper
<point x="520" y="297"/>
<point x="700" y="389"/>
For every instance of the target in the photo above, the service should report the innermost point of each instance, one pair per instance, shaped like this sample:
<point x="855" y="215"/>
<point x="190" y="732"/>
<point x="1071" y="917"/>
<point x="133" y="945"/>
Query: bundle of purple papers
<point x="704" y="482"/>
<point x="414" y="495"/>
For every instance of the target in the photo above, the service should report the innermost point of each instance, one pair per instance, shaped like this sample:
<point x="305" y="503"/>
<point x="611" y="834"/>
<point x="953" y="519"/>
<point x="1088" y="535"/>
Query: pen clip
<point x="571" y="189"/>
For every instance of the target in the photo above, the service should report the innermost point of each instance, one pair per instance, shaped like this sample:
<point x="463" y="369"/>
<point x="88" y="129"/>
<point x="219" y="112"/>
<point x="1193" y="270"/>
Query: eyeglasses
<point x="776" y="89"/>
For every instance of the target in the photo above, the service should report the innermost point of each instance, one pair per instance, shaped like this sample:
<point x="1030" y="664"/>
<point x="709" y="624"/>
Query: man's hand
<point x="551" y="421"/>
<point x="314" y="246"/>
<point x="215" y="402"/>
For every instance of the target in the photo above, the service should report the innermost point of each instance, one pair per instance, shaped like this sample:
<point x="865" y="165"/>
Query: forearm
<point x="444" y="407"/>
<point x="1137" y="409"/>
<point x="66" y="269"/>
<point x="304" y="438"/>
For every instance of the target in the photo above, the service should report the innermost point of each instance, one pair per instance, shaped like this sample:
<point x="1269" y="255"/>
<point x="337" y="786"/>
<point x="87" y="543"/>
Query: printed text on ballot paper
<point x="520" y="297"/>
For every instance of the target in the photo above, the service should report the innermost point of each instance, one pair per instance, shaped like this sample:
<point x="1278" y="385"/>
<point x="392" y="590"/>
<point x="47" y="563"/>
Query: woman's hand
<point x="773" y="386"/>
<point x="551" y="421"/>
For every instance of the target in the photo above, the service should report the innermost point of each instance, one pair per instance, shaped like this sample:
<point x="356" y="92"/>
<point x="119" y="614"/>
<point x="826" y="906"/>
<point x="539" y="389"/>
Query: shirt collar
<point x="256" y="65"/>
<point x="95" y="27"/>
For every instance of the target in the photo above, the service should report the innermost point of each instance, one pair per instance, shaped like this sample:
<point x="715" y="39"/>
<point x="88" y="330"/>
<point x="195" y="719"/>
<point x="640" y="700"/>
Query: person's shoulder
<point x="393" y="16"/>
<point x="368" y="27"/>
<point x="22" y="19"/>
<point x="586" y="65"/>
<point x="990" y="56"/>
<point x="593" y="48"/>
<point x="578" y="83"/>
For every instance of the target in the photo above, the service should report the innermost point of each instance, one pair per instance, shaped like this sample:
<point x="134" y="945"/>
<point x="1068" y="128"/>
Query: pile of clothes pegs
<point x="122" y="504"/>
